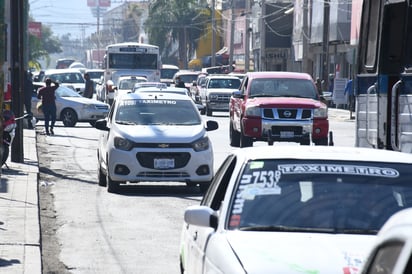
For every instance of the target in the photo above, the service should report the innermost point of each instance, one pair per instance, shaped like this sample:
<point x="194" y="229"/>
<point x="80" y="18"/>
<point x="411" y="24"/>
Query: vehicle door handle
<point x="195" y="236"/>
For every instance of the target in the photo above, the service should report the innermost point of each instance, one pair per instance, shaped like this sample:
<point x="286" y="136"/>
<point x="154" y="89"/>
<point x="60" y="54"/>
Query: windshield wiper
<point x="125" y="122"/>
<point x="286" y="228"/>
<point x="263" y="95"/>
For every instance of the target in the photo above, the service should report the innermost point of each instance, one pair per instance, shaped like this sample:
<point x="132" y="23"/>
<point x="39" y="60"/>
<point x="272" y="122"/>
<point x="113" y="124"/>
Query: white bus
<point x="130" y="59"/>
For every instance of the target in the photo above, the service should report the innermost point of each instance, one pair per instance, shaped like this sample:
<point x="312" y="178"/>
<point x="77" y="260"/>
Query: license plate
<point x="287" y="134"/>
<point x="164" y="163"/>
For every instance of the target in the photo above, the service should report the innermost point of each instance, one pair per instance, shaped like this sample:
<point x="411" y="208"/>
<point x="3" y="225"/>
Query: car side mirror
<point x="101" y="124"/>
<point x="237" y="94"/>
<point x="211" y="125"/>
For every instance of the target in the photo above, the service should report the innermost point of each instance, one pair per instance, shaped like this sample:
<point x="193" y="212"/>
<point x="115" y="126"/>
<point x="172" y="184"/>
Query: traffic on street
<point x="136" y="230"/>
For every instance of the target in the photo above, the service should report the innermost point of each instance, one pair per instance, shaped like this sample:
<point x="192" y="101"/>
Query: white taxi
<point x="294" y="209"/>
<point x="156" y="137"/>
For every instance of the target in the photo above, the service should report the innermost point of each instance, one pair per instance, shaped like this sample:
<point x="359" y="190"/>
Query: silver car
<point x="73" y="108"/>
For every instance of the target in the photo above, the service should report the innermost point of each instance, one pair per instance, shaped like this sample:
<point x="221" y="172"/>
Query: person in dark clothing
<point x="89" y="86"/>
<point x="48" y="97"/>
<point x="28" y="92"/>
<point x="180" y="83"/>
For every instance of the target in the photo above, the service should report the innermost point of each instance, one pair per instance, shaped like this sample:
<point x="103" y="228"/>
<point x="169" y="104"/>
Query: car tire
<point x="204" y="186"/>
<point x="321" y="141"/>
<point x="203" y="111"/>
<point x="209" y="112"/>
<point x="234" y="136"/>
<point x="101" y="177"/>
<point x="245" y="141"/>
<point x="68" y="117"/>
<point x="305" y="141"/>
<point x="112" y="186"/>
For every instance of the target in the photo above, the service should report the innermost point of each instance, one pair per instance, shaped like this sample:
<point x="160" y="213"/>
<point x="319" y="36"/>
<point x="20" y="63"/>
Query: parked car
<point x="67" y="77"/>
<point x="215" y="93"/>
<point x="126" y="84"/>
<point x="154" y="136"/>
<point x="275" y="106"/>
<point x="167" y="72"/>
<point x="72" y="107"/>
<point x="294" y="209"/>
<point x="392" y="251"/>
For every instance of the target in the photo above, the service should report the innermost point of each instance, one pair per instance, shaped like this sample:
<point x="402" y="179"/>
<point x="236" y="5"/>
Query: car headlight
<point x="89" y="107"/>
<point x="201" y="144"/>
<point x="253" y="111"/>
<point x="321" y="112"/>
<point x="122" y="143"/>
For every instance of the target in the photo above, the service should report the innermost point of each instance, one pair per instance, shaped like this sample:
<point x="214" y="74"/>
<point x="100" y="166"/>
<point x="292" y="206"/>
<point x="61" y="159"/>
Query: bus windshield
<point x="132" y="61"/>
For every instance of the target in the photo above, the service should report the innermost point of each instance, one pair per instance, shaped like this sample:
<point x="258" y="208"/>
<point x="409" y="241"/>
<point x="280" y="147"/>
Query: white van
<point x="167" y="72"/>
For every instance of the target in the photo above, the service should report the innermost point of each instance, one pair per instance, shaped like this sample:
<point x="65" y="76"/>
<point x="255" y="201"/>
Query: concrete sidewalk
<point x="19" y="212"/>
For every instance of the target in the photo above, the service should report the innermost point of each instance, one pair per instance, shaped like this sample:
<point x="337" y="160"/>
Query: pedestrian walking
<point x="89" y="86"/>
<point x="349" y="92"/>
<point x="48" y="100"/>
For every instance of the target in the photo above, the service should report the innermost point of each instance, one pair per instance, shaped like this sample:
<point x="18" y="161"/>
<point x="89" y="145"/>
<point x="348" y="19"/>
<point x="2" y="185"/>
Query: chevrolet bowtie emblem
<point x="163" y="145"/>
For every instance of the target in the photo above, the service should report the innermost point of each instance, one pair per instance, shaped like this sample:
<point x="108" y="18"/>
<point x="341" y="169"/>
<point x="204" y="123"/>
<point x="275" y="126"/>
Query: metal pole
<point x="263" y="38"/>
<point x="232" y="35"/>
<point x="213" y="53"/>
<point x="305" y="34"/>
<point x="17" y="75"/>
<point x="247" y="36"/>
<point x="325" y="46"/>
<point x="3" y="48"/>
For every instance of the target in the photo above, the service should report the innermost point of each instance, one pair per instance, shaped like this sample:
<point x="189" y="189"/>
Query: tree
<point x="180" y="21"/>
<point x="41" y="48"/>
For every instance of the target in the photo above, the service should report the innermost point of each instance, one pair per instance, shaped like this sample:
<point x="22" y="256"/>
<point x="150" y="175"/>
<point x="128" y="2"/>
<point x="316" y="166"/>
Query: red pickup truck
<point x="278" y="107"/>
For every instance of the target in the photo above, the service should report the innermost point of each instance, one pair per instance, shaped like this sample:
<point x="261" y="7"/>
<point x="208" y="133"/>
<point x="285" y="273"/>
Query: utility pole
<point x="97" y="32"/>
<point x="3" y="48"/>
<point x="262" y="66"/>
<point x="213" y="54"/>
<point x="247" y="36"/>
<point x="305" y="35"/>
<point x="325" y="46"/>
<point x="232" y="34"/>
<point x="17" y="73"/>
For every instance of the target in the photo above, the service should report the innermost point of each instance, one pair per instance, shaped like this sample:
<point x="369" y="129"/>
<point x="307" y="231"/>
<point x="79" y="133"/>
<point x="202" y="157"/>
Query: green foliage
<point x="176" y="20"/>
<point x="40" y="49"/>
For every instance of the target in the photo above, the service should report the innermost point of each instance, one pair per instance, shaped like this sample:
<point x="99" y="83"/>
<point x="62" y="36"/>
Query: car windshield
<point x="188" y="78"/>
<point x="167" y="73"/>
<point x="66" y="92"/>
<point x="130" y="83"/>
<point x="72" y="78"/>
<point x="319" y="196"/>
<point x="282" y="87"/>
<point x="157" y="112"/>
<point x="224" y="83"/>
<point x="95" y="74"/>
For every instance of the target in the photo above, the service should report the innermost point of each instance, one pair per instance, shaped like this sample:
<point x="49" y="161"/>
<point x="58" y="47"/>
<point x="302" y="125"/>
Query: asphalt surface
<point x="20" y="235"/>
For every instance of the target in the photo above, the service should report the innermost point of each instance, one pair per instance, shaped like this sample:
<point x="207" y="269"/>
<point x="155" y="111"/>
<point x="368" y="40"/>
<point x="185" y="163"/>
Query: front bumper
<point x="285" y="130"/>
<point x="157" y="164"/>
